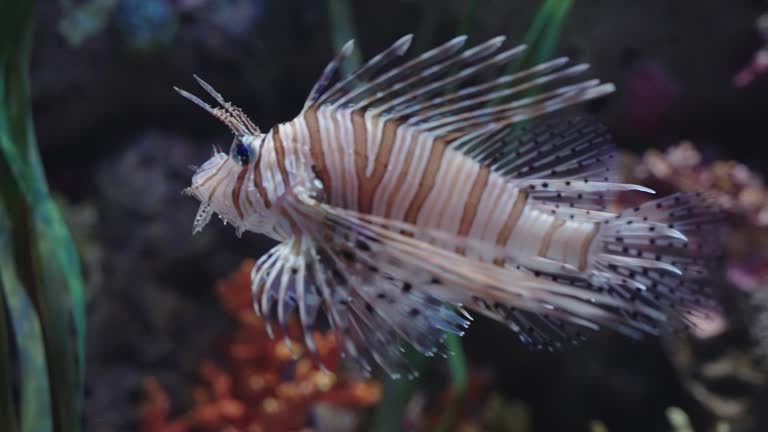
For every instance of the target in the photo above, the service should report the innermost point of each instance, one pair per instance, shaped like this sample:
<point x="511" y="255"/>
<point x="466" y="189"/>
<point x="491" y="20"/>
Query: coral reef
<point x="267" y="385"/>
<point x="738" y="190"/>
<point x="723" y="362"/>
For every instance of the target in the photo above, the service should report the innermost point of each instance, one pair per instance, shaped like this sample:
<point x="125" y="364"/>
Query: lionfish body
<point x="405" y="195"/>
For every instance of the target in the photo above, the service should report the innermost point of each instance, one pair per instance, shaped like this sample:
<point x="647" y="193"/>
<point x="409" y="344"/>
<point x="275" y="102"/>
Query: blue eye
<point x="243" y="153"/>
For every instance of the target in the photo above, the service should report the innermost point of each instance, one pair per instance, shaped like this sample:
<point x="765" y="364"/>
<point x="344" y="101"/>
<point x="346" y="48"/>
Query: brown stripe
<point x="280" y="156"/>
<point x="295" y="229"/>
<point x="402" y="177"/>
<point x="585" y="244"/>
<point x="472" y="203"/>
<point x="215" y="187"/>
<point x="494" y="205"/>
<point x="360" y="147"/>
<point x="207" y="179"/>
<point x="248" y="199"/>
<point x="337" y="147"/>
<point x="236" y="191"/>
<point x="427" y="181"/>
<point x="553" y="227"/>
<point x="257" y="180"/>
<point x="514" y="216"/>
<point x="369" y="185"/>
<point x="316" y="150"/>
<point x="566" y="245"/>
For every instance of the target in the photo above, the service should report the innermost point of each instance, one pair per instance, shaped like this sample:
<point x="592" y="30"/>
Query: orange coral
<point x="269" y="386"/>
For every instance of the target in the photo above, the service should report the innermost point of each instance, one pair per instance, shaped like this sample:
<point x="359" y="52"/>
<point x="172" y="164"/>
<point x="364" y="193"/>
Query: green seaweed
<point x="8" y="420"/>
<point x="468" y="16"/>
<point x="543" y="34"/>
<point x="34" y="392"/>
<point x="396" y="395"/>
<point x="457" y="365"/>
<point x="541" y="40"/>
<point x="342" y="30"/>
<point x="42" y="284"/>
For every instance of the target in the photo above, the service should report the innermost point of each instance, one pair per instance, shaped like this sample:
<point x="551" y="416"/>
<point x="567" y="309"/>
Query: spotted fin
<point x="570" y="165"/>
<point x="446" y="92"/>
<point x="667" y="247"/>
<point x="569" y="149"/>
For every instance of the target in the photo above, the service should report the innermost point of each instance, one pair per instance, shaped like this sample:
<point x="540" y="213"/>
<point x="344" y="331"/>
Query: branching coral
<point x="722" y="351"/>
<point x="738" y="190"/>
<point x="267" y="386"/>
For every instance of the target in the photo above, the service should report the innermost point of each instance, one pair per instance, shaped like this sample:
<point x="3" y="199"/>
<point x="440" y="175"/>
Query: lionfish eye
<point x="241" y="152"/>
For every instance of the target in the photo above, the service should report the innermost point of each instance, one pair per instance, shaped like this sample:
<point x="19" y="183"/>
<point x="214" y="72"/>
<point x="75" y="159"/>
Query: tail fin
<point x="661" y="254"/>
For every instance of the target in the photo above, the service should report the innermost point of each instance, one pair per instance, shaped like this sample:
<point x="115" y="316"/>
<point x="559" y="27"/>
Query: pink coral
<point x="738" y="190"/>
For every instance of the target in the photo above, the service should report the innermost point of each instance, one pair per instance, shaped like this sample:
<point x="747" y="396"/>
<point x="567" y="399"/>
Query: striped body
<point x="401" y="189"/>
<point x="390" y="170"/>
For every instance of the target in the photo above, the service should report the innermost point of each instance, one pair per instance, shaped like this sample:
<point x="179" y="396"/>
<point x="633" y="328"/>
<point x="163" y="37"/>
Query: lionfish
<point x="411" y="192"/>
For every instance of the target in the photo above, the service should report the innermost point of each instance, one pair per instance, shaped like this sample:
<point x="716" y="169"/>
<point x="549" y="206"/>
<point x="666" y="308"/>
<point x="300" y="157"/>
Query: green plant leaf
<point x="34" y="392"/>
<point x="342" y="30"/>
<point x="45" y="257"/>
<point x="545" y="48"/>
<point x="459" y="379"/>
<point x="468" y="16"/>
<point x="396" y="394"/>
<point x="7" y="404"/>
<point x="543" y="33"/>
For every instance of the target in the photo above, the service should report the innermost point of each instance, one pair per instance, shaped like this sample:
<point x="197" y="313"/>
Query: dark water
<point x="117" y="141"/>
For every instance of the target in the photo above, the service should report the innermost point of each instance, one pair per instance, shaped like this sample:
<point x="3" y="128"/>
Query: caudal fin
<point x="662" y="254"/>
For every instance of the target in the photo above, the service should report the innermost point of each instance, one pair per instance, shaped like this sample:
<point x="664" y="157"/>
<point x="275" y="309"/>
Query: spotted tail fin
<point x="662" y="253"/>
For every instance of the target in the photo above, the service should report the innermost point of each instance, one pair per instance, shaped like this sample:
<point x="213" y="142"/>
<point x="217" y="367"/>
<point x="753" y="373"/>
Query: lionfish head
<point x="220" y="172"/>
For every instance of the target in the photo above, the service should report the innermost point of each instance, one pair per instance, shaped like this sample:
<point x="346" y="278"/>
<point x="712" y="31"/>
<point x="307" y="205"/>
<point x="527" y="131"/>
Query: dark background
<point x="117" y="141"/>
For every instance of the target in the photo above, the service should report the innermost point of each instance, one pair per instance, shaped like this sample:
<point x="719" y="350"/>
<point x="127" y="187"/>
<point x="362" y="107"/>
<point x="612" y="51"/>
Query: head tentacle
<point x="229" y="114"/>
